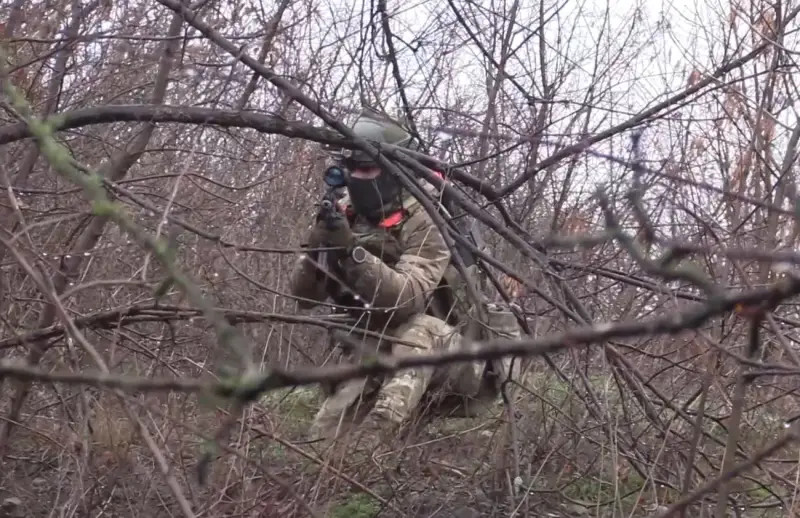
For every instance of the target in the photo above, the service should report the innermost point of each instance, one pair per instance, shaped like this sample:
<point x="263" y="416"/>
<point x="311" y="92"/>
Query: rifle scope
<point x="334" y="177"/>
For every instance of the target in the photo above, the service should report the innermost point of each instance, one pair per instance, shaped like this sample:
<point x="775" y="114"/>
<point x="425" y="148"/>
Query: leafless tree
<point x="633" y="174"/>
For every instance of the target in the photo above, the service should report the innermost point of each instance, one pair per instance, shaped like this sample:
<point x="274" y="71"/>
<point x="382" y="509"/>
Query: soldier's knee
<point x="427" y="332"/>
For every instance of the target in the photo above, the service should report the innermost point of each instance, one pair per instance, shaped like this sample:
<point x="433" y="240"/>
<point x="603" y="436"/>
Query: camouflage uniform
<point x="414" y="294"/>
<point x="408" y="269"/>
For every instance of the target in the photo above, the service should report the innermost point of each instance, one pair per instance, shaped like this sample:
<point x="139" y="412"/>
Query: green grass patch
<point x="298" y="404"/>
<point x="359" y="505"/>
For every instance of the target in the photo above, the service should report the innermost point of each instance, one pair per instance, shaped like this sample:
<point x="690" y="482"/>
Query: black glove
<point x="338" y="236"/>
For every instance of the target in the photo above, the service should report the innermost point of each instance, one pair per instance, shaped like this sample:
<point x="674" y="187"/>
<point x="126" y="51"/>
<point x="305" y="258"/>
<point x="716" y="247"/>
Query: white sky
<point x="658" y="42"/>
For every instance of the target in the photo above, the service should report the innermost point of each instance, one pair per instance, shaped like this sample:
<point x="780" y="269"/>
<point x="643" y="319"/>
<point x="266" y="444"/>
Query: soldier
<point x="393" y="272"/>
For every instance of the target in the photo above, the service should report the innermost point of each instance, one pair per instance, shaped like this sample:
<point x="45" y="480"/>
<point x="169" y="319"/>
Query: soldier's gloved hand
<point x="339" y="236"/>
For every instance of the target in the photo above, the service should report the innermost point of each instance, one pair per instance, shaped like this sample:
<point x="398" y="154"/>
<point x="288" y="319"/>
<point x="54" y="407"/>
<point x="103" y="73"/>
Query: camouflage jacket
<point x="408" y="271"/>
<point x="406" y="262"/>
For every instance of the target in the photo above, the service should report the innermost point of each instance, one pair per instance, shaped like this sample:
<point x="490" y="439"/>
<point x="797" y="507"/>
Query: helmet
<point x="382" y="129"/>
<point x="374" y="198"/>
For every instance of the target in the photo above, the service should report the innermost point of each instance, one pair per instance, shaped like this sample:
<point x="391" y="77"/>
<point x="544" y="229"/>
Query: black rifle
<point x="335" y="180"/>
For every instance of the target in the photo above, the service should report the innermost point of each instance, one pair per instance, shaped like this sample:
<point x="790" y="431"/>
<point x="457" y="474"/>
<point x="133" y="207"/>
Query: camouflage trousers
<point x="394" y="399"/>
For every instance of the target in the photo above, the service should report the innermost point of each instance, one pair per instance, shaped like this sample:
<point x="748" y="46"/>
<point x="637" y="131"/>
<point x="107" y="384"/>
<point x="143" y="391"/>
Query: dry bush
<point x="637" y="193"/>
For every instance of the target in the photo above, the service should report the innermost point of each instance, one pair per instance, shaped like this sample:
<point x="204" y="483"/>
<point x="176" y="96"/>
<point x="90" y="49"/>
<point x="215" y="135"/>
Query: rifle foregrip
<point x="329" y="213"/>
